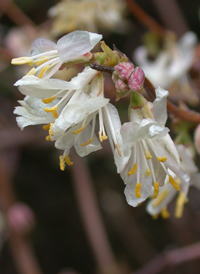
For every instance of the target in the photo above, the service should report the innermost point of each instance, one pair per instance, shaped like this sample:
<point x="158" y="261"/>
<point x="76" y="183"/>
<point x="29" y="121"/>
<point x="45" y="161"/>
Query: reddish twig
<point x="144" y="18"/>
<point x="171" y="259"/>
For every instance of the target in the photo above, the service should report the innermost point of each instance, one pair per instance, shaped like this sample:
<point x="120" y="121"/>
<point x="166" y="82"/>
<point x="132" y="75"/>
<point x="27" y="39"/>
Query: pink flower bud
<point x="197" y="139"/>
<point x="137" y="79"/>
<point x="120" y="85"/>
<point x="124" y="70"/>
<point x="20" y="218"/>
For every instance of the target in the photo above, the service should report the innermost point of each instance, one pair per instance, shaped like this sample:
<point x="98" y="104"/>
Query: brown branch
<point x="92" y="218"/>
<point x="144" y="18"/>
<point x="186" y="115"/>
<point x="171" y="259"/>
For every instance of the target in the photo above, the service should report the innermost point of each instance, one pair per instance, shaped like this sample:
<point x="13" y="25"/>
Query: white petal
<point x="76" y="44"/>
<point x="187" y="159"/>
<point x="160" y="106"/>
<point x="41" y="45"/>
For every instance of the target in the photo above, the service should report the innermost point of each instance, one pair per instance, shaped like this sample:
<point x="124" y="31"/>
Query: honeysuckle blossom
<point x="151" y="151"/>
<point x="172" y="64"/>
<point x="168" y="193"/>
<point x="69" y="111"/>
<point x="90" y="15"/>
<point x="47" y="56"/>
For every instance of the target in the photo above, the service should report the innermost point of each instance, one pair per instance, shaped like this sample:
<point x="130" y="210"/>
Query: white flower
<point x="90" y="15"/>
<point x="171" y="64"/>
<point x="151" y="152"/>
<point x="69" y="110"/>
<point x="167" y="194"/>
<point x="48" y="56"/>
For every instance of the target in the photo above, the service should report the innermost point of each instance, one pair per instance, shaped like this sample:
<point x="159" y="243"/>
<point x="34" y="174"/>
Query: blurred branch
<point x="91" y="217"/>
<point x="15" y="13"/>
<point x="170" y="259"/>
<point x="21" y="249"/>
<point x="144" y="18"/>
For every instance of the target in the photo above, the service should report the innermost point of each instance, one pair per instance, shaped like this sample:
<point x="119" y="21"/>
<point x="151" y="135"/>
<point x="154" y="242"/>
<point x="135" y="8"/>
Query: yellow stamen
<point x="41" y="60"/>
<point x="148" y="172"/>
<point x="179" y="205"/>
<point x="102" y="137"/>
<point x="42" y="72"/>
<point x="68" y="161"/>
<point x="162" y="159"/>
<point x="137" y="190"/>
<point x="156" y="190"/>
<point x="50" y="131"/>
<point x="55" y="114"/>
<point x="174" y="183"/>
<point x="155" y="217"/>
<point x="117" y="147"/>
<point x="21" y="60"/>
<point x="48" y="138"/>
<point x="51" y="109"/>
<point x="62" y="163"/>
<point x="133" y="170"/>
<point x="148" y="155"/>
<point x="46" y="127"/>
<point x="48" y="100"/>
<point x="31" y="72"/>
<point x="181" y="159"/>
<point x="160" y="198"/>
<point x="79" y="130"/>
<point x="164" y="213"/>
<point x="87" y="143"/>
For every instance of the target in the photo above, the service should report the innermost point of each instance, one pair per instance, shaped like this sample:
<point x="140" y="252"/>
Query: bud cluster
<point x="127" y="78"/>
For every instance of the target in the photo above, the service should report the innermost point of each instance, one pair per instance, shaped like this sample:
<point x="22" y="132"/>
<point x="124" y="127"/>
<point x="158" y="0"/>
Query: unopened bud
<point x="136" y="80"/>
<point x="124" y="70"/>
<point x="120" y="85"/>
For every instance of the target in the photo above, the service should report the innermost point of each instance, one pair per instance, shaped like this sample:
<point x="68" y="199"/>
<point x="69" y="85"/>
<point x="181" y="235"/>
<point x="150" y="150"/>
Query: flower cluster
<point x="144" y="153"/>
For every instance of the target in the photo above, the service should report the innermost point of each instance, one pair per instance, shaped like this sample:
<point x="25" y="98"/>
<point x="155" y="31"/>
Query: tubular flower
<point x="48" y="57"/>
<point x="152" y="153"/>
<point x="69" y="111"/>
<point x="168" y="192"/>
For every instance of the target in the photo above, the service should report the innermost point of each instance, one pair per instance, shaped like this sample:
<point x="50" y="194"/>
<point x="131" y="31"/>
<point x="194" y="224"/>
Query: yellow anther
<point x="51" y="109"/>
<point x="67" y="160"/>
<point x="102" y="137"/>
<point x="148" y="172"/>
<point x="137" y="190"/>
<point x="156" y="190"/>
<point x="31" y="63"/>
<point x="62" y="163"/>
<point x="31" y="72"/>
<point x="46" y="127"/>
<point x="133" y="170"/>
<point x="162" y="159"/>
<point x="117" y="147"/>
<point x="55" y="114"/>
<point x="181" y="159"/>
<point x="155" y="217"/>
<point x="179" y="205"/>
<point x="21" y="60"/>
<point x="48" y="100"/>
<point x="79" y="130"/>
<point x="164" y="213"/>
<point x="50" y="131"/>
<point x="41" y="60"/>
<point x="87" y="143"/>
<point x="148" y="155"/>
<point x="160" y="198"/>
<point x="48" y="138"/>
<point x="42" y="72"/>
<point x="174" y="183"/>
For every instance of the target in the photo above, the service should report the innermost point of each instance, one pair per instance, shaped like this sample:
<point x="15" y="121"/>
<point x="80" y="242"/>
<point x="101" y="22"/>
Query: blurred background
<point x="78" y="221"/>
